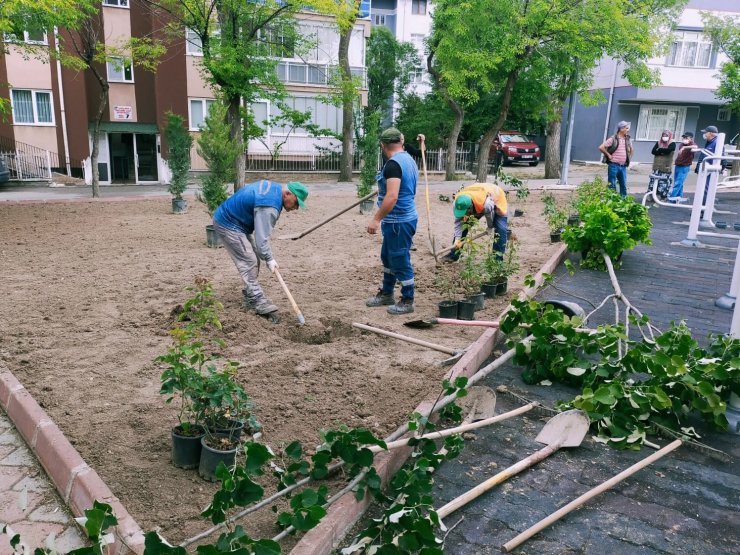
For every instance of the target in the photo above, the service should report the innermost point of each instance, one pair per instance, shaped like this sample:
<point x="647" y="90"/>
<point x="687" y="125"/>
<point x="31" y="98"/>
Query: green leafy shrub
<point x="610" y="224"/>
<point x="369" y="152"/>
<point x="179" y="143"/>
<point x="555" y="216"/>
<point x="219" y="153"/>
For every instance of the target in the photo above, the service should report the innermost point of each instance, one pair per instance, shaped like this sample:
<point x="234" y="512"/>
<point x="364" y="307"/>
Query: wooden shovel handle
<point x="330" y="218"/>
<point x="440" y="348"/>
<point x="480" y="323"/>
<point x="547" y="521"/>
<point x="297" y="310"/>
<point x="449" y="249"/>
<point x="458" y="429"/>
<point x="502" y="476"/>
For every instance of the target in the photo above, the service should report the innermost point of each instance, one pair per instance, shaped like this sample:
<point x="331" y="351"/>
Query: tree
<point x="474" y="63"/>
<point x="389" y="67"/>
<point x="219" y="152"/>
<point x="179" y="143"/>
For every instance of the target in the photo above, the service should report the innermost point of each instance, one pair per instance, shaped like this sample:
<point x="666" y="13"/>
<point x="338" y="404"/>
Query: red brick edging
<point x="347" y="511"/>
<point x="77" y="483"/>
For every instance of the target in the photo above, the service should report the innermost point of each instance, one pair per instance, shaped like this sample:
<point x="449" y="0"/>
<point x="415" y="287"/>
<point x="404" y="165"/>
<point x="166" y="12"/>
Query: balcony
<point x="301" y="73"/>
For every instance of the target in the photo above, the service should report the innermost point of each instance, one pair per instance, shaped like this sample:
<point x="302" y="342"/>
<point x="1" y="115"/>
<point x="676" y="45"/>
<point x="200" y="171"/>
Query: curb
<point x="347" y="511"/>
<point x="77" y="483"/>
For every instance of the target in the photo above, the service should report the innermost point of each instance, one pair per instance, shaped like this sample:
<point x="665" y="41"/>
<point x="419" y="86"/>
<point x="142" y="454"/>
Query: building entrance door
<point x="145" y="148"/>
<point x="122" y="157"/>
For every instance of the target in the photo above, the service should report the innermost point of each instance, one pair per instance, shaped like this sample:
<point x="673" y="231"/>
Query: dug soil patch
<point x="89" y="290"/>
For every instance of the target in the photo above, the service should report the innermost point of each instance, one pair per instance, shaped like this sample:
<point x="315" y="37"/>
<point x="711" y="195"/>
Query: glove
<point x="458" y="244"/>
<point x="272" y="265"/>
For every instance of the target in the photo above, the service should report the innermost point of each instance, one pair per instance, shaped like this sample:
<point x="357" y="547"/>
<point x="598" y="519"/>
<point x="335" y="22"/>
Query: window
<point x="32" y="107"/>
<point x="120" y="69"/>
<point x="193" y="44"/>
<point x="117" y="3"/>
<point x="419" y="7"/>
<point x="379" y="19"/>
<point x="690" y="50"/>
<point x="280" y="42"/>
<point x="30" y="37"/>
<point x="654" y="119"/>
<point x="199" y="108"/>
<point x="724" y="114"/>
<point x="417" y="76"/>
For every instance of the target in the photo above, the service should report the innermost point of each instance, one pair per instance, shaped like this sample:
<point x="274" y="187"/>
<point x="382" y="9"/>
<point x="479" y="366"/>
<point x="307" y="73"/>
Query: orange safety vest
<point x="478" y="193"/>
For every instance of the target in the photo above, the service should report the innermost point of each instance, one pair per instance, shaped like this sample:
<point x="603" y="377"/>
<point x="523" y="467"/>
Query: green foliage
<point x="498" y="268"/>
<point x="503" y="178"/>
<point x="390" y="64"/>
<point x="369" y="152"/>
<point x="556" y="216"/>
<point x="610" y="224"/>
<point x="471" y="266"/>
<point x="446" y="283"/>
<point x="219" y="153"/>
<point x="724" y="32"/>
<point x="429" y="115"/>
<point x="179" y="143"/>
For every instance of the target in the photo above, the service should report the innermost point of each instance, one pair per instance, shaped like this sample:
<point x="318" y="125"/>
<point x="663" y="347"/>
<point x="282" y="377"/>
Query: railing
<point x="302" y="73"/>
<point x="29" y="163"/>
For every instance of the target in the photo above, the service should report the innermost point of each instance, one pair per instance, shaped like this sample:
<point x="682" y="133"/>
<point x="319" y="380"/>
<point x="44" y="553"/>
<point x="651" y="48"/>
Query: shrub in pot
<point x="445" y="283"/>
<point x="499" y="268"/>
<point x="179" y="143"/>
<point x="610" y="223"/>
<point x="554" y="215"/>
<point x="370" y="153"/>
<point x="471" y="271"/>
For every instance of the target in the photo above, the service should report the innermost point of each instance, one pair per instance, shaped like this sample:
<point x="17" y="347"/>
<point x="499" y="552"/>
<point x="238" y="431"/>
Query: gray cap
<point x="710" y="129"/>
<point x="623" y="124"/>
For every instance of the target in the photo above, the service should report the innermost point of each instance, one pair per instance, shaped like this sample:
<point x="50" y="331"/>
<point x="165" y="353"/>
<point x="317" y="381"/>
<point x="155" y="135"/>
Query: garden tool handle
<point x="330" y="218"/>
<point x="547" y="521"/>
<point x="440" y="348"/>
<point x="299" y="314"/>
<point x="450" y="248"/>
<point x="458" y="429"/>
<point x="502" y="476"/>
<point x="480" y="323"/>
<point x="432" y="241"/>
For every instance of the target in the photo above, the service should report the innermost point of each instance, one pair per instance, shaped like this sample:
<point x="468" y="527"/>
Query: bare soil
<point x="88" y="294"/>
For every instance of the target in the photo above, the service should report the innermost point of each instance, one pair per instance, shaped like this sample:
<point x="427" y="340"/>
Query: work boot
<point x="249" y="303"/>
<point x="404" y="306"/>
<point x="264" y="306"/>
<point x="380" y="299"/>
<point x="448" y="259"/>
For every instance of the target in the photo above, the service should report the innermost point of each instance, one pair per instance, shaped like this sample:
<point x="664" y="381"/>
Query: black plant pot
<point x="179" y="205"/>
<point x="448" y="309"/>
<point x="186" y="448"/>
<point x="501" y="287"/>
<point x="466" y="310"/>
<point x="212" y="238"/>
<point x="479" y="299"/>
<point x="489" y="289"/>
<point x="366" y="206"/>
<point x="554" y="237"/>
<point x="518" y="212"/>
<point x="211" y="457"/>
<point x="232" y="429"/>
<point x="719" y="224"/>
<point x="573" y="219"/>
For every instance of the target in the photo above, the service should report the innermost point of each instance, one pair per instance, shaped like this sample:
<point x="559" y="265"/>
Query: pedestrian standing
<point x="617" y="151"/>
<point x="683" y="162"/>
<point x="710" y="136"/>
<point x="396" y="218"/>
<point x="245" y="221"/>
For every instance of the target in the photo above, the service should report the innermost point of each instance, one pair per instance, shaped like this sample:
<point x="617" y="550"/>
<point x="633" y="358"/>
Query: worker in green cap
<point x="477" y="201"/>
<point x="245" y="221"/>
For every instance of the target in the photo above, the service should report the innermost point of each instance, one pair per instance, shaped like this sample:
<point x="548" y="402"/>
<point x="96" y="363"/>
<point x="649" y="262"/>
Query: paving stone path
<point x="686" y="503"/>
<point x="29" y="504"/>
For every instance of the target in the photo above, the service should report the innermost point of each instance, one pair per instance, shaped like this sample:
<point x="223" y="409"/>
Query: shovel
<point x="431" y="322"/>
<point x="299" y="314"/>
<point x="430" y="235"/>
<point x="295" y="236"/>
<point x="566" y="429"/>
<point x="450" y="248"/>
<point x="456" y="354"/>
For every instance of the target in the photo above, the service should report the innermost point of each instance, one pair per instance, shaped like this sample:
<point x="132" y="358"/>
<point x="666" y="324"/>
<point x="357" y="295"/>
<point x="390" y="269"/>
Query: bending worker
<point x="397" y="218"/>
<point x="475" y="201"/>
<point x="245" y="221"/>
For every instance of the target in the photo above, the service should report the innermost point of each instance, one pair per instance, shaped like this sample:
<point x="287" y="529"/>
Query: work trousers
<point x="240" y="249"/>
<point x="396" y="257"/>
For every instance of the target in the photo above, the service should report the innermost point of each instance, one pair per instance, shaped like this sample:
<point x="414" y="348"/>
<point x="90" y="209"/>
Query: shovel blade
<point x="420" y="324"/>
<point x="291" y="237"/>
<point x="566" y="429"/>
<point x="481" y="401"/>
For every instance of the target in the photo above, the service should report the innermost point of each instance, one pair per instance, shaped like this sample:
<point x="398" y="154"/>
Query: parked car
<point x="4" y="172"/>
<point x="512" y="146"/>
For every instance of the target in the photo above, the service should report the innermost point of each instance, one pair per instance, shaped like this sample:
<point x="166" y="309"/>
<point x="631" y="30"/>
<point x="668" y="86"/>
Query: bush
<point x="179" y="143"/>
<point x="219" y="152"/>
<point x="610" y="224"/>
<point x="369" y="153"/>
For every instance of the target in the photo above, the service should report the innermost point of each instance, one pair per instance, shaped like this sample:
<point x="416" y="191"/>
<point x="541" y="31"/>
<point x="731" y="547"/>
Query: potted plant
<point x="493" y="269"/>
<point x="471" y="276"/>
<point x="219" y="153"/>
<point x="445" y="283"/>
<point x="508" y="266"/>
<point x="369" y="152"/>
<point x="179" y="143"/>
<point x="556" y="219"/>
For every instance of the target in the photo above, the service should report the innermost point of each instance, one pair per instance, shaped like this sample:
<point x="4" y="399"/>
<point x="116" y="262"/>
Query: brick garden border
<point x="77" y="483"/>
<point x="347" y="511"/>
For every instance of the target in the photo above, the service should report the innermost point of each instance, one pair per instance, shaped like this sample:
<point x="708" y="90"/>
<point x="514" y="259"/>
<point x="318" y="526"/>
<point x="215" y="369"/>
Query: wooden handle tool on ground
<point x="449" y="249"/>
<point x="299" y="314"/>
<point x="420" y="342"/>
<point x="330" y="218"/>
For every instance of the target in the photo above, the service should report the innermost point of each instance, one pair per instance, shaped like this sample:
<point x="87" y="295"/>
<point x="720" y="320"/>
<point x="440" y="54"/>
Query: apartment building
<point x="53" y="107"/>
<point x="684" y="101"/>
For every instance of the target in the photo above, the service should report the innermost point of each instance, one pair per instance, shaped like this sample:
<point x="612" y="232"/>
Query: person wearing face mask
<point x="663" y="157"/>
<point x="683" y="163"/>
<point x="710" y="136"/>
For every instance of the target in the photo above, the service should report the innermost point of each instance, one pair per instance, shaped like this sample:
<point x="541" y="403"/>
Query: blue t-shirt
<point x="405" y="208"/>
<point x="237" y="211"/>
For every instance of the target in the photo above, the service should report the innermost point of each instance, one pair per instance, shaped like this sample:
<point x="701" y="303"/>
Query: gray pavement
<point x="686" y="503"/>
<point x="29" y="504"/>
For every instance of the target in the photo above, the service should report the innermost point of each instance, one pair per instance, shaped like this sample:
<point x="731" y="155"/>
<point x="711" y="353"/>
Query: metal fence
<point x="29" y="163"/>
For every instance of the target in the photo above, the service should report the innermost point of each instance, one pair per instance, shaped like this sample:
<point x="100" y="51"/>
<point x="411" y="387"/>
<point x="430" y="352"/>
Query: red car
<point x="512" y="146"/>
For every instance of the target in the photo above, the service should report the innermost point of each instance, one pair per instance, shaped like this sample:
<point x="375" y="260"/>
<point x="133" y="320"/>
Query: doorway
<point x="133" y="157"/>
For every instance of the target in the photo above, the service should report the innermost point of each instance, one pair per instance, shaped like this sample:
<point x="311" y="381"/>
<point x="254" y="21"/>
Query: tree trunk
<point x="459" y="111"/>
<point x="552" y="148"/>
<point x="348" y="102"/>
<point x="490" y="135"/>
<point x="102" y="103"/>
<point x="235" y="132"/>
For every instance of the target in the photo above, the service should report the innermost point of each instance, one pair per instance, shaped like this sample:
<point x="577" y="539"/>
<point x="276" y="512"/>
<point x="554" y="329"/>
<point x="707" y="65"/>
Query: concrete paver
<point x="29" y="503"/>
<point x="686" y="503"/>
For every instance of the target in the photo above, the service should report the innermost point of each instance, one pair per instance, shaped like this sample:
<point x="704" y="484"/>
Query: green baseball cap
<point x="300" y="191"/>
<point x="390" y="135"/>
<point x="462" y="204"/>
